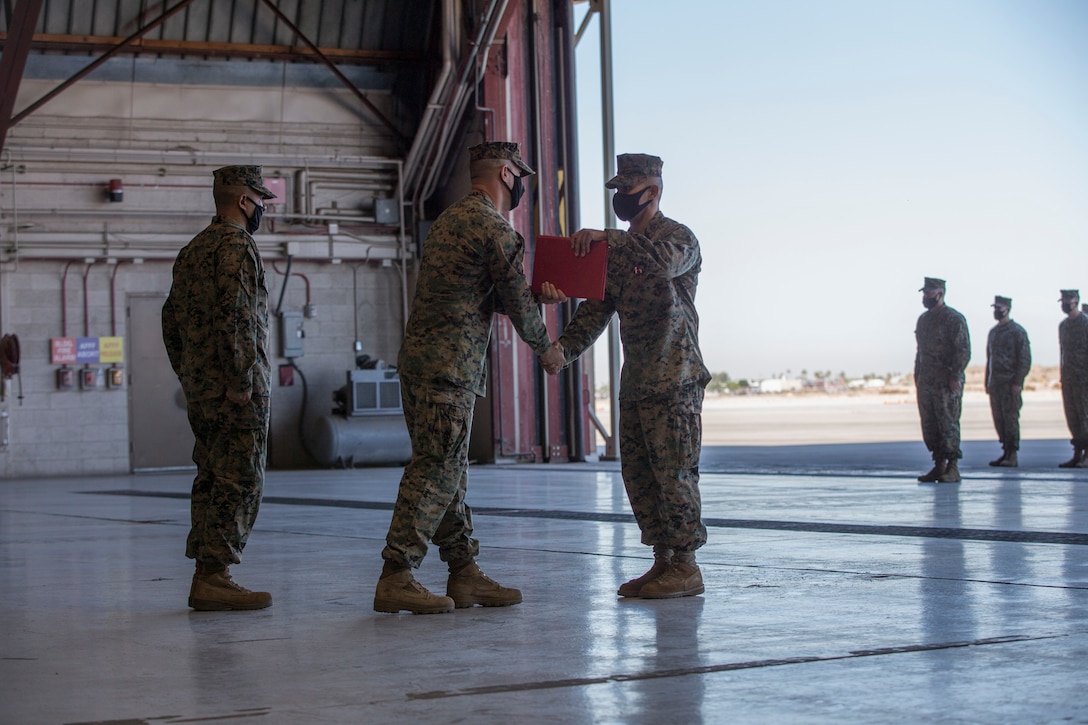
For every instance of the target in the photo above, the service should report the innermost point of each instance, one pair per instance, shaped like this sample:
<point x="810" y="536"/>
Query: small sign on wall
<point x="111" y="349"/>
<point x="64" y="350"/>
<point x="86" y="350"/>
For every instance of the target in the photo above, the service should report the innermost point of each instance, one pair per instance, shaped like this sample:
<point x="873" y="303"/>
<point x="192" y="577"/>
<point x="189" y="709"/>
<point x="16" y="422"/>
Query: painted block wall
<point x="163" y="140"/>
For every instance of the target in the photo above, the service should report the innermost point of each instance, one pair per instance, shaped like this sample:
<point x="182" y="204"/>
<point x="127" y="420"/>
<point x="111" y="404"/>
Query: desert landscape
<point x="888" y="414"/>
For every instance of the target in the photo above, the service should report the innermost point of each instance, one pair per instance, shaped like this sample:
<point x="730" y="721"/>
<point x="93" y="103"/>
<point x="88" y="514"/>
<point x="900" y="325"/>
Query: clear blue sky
<point x="829" y="155"/>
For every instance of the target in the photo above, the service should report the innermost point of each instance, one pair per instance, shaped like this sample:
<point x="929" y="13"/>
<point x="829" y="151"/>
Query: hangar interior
<point x="837" y="588"/>
<point x="116" y="112"/>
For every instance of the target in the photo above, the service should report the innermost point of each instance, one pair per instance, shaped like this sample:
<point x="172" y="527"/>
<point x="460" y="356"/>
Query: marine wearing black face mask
<point x="944" y="349"/>
<point x="1008" y="361"/>
<point x="517" y="190"/>
<point x="627" y="206"/>
<point x="253" y="222"/>
<point x="1073" y="343"/>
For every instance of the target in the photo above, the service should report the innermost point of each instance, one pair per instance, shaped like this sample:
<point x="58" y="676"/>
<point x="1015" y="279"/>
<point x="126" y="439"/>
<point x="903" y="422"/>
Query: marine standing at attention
<point x="1073" y="340"/>
<point x="1008" y="360"/>
<point x="215" y="327"/>
<point x="944" y="349"/>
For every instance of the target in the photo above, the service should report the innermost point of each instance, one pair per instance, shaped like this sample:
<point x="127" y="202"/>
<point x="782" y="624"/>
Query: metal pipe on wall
<point x="568" y="143"/>
<point x="608" y="133"/>
<point x="455" y="108"/>
<point x="447" y="42"/>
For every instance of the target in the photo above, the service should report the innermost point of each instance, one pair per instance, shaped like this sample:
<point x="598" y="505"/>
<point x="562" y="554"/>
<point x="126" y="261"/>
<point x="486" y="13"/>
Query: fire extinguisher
<point x="9" y="364"/>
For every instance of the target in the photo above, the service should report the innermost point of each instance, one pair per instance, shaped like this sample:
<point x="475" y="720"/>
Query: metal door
<point x="160" y="438"/>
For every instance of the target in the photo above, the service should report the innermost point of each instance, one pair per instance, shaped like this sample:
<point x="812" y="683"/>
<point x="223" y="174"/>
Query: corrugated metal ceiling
<point x="347" y="31"/>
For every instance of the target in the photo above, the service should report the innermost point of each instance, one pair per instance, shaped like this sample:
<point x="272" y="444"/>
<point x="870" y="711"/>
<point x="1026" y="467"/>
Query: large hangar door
<point x="160" y="437"/>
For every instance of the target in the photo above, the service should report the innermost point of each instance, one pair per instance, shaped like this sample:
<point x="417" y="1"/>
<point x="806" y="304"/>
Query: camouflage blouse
<point x="472" y="267"/>
<point x="651" y="285"/>
<point x="1073" y="338"/>
<point x="944" y="346"/>
<point x="215" y="320"/>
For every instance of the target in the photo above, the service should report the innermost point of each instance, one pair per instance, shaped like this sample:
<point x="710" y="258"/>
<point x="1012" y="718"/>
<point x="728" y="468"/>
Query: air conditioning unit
<point x="372" y="392"/>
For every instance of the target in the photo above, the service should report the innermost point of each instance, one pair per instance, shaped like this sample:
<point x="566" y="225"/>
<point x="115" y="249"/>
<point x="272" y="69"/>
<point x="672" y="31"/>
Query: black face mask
<point x="253" y="223"/>
<point x="929" y="302"/>
<point x="516" y="192"/>
<point x="1000" y="314"/>
<point x="627" y="207"/>
<point x="1067" y="307"/>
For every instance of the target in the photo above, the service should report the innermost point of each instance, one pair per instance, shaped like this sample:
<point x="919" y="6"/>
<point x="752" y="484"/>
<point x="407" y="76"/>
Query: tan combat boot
<point x="467" y="585"/>
<point x="1001" y="460"/>
<point x="662" y="557"/>
<point x="214" y="591"/>
<point x="682" y="578"/>
<point x="1010" y="461"/>
<point x="951" y="472"/>
<point x="399" y="590"/>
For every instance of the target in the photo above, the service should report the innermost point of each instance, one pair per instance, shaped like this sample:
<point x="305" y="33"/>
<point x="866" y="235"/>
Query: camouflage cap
<point x="1069" y="294"/>
<point x="507" y="150"/>
<point x="633" y="168"/>
<point x="1000" y="301"/>
<point x="243" y="176"/>
<point x="932" y="283"/>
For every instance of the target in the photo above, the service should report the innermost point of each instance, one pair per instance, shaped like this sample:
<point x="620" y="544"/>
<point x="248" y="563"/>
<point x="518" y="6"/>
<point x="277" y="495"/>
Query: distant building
<point x="870" y="384"/>
<point x="780" y="385"/>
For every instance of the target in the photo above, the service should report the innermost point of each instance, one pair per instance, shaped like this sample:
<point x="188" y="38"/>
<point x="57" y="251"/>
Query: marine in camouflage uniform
<point x="1073" y="339"/>
<point x="653" y="272"/>
<point x="944" y="349"/>
<point x="1008" y="360"/>
<point x="471" y="268"/>
<point x="215" y="327"/>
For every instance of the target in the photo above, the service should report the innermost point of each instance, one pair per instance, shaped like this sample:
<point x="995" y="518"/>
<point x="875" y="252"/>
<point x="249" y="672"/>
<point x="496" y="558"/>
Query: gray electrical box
<point x="291" y="334"/>
<point x="386" y="211"/>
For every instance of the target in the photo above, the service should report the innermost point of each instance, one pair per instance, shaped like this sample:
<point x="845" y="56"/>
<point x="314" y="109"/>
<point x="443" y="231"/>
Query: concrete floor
<point x="838" y="589"/>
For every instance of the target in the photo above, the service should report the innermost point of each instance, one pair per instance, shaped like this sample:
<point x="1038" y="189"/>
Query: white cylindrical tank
<point x="362" y="440"/>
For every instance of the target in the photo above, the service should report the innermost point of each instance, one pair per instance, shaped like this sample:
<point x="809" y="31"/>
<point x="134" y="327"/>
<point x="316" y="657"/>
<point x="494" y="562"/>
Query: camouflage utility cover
<point x="503" y="150"/>
<point x="242" y="176"/>
<point x="633" y="169"/>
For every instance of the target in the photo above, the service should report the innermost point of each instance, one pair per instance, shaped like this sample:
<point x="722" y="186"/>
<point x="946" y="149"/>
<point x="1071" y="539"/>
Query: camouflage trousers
<point x="1075" y="402"/>
<point x="1005" y="404"/>
<point x="230" y="451"/>
<point x="431" y="500"/>
<point x="940" y="408"/>
<point x="660" y="443"/>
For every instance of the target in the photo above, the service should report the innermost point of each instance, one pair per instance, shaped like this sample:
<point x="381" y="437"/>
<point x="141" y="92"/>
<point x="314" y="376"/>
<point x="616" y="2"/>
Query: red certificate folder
<point x="554" y="262"/>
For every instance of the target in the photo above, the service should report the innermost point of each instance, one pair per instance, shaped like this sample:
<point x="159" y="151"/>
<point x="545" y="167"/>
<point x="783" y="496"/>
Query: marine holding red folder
<point x="652" y="274"/>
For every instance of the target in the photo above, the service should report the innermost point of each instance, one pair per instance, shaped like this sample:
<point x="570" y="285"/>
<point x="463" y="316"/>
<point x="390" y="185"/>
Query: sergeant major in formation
<point x="1073" y="340"/>
<point x="1008" y="360"/>
<point x="944" y="349"/>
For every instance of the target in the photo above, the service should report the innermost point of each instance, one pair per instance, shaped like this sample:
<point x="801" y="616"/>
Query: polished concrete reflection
<point x="838" y="589"/>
